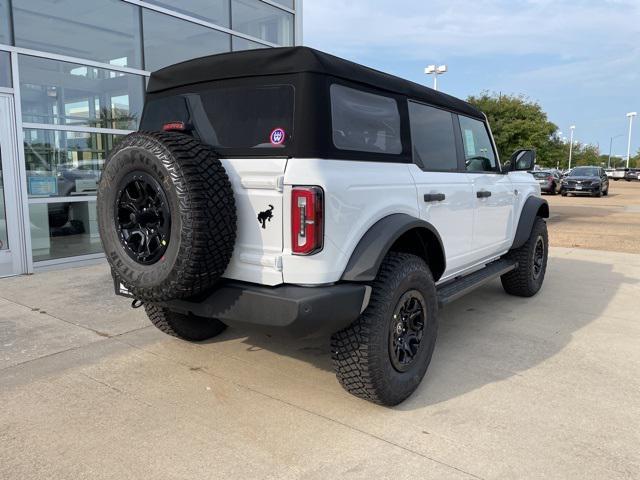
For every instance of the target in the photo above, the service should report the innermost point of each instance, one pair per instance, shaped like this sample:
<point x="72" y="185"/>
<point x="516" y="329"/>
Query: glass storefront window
<point x="286" y="3"/>
<point x="169" y="40"/>
<point x="261" y="20"/>
<point x="70" y="94"/>
<point x="5" y="69"/>
<point x="5" y="23"/>
<point x="61" y="164"/>
<point x="240" y="43"/>
<point x="214" y="11"/>
<point x="60" y="230"/>
<point x="107" y="31"/>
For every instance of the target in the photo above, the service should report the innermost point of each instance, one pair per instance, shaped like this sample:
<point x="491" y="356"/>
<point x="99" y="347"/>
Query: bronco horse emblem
<point x="266" y="215"/>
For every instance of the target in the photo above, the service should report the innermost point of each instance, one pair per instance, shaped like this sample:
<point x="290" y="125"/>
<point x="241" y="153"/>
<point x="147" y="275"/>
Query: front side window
<point x="478" y="150"/>
<point x="433" y="138"/>
<point x="364" y="121"/>
<point x="249" y="117"/>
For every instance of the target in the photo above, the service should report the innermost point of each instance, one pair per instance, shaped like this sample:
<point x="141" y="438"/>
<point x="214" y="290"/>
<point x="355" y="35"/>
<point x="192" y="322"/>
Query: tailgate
<point x="258" y="189"/>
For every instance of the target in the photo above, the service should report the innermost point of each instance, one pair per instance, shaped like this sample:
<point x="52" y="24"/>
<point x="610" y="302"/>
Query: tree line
<point x="518" y="122"/>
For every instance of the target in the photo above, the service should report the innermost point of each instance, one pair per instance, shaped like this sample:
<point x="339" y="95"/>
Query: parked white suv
<point x="291" y="190"/>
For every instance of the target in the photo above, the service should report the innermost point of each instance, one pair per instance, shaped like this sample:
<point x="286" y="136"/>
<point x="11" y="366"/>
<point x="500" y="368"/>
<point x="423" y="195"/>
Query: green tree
<point x="518" y="122"/>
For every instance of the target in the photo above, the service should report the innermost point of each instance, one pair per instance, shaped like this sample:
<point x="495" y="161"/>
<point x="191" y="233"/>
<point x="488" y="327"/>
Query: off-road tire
<point x="522" y="281"/>
<point x="202" y="211"/>
<point x="361" y="352"/>
<point x="187" y="327"/>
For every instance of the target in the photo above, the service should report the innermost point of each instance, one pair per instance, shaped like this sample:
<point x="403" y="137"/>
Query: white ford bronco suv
<point x="293" y="191"/>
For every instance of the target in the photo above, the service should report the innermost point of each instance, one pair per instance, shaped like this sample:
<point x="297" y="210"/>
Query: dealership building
<point x="72" y="81"/>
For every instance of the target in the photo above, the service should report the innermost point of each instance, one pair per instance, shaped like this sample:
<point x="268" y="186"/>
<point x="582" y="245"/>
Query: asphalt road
<point x="547" y="387"/>
<point x="609" y="223"/>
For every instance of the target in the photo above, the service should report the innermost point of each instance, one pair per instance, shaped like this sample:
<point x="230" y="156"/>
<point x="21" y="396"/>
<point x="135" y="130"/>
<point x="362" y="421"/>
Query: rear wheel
<point x="526" y="280"/>
<point x="383" y="356"/>
<point x="186" y="327"/>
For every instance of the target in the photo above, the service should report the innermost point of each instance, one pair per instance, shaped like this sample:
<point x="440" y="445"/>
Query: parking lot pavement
<point x="547" y="387"/>
<point x="609" y="223"/>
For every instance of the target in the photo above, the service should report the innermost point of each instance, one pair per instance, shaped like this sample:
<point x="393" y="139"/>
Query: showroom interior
<point x="72" y="82"/>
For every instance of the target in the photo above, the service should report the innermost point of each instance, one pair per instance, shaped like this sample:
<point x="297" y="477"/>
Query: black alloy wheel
<point x="538" y="258"/>
<point x="143" y="218"/>
<point x="406" y="330"/>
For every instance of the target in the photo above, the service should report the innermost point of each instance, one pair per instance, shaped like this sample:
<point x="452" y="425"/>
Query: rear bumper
<point x="293" y="310"/>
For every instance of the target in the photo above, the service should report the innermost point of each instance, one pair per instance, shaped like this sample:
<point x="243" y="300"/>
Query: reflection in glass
<point x="5" y="23"/>
<point x="60" y="230"/>
<point x="286" y="3"/>
<point x="107" y="31"/>
<point x="4" y="240"/>
<point x="214" y="11"/>
<point x="260" y="20"/>
<point x="5" y="69"/>
<point x="240" y="43"/>
<point x="71" y="94"/>
<point x="169" y="40"/>
<point x="63" y="163"/>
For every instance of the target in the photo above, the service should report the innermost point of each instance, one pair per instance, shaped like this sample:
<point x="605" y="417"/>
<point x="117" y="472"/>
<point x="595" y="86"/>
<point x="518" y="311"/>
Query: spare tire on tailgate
<point x="166" y="214"/>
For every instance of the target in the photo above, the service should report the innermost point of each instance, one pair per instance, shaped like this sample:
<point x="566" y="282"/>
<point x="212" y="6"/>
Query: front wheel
<point x="526" y="279"/>
<point x="383" y="356"/>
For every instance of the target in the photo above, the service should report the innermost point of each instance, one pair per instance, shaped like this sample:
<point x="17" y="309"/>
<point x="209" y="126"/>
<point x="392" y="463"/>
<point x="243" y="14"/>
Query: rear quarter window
<point x="365" y="122"/>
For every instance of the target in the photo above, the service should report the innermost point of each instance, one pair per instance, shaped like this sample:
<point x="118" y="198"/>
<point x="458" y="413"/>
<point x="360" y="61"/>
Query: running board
<point x="455" y="289"/>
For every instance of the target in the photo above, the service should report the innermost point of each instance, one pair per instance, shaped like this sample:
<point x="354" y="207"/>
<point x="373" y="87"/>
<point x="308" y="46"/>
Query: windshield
<point x="584" y="172"/>
<point x="245" y="117"/>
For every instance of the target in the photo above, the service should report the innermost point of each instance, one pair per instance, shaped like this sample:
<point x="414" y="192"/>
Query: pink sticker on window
<point x="278" y="136"/>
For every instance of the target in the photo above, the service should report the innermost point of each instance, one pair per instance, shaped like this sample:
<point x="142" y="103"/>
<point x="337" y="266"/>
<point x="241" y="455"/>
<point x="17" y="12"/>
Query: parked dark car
<point x="586" y="180"/>
<point x="548" y="180"/>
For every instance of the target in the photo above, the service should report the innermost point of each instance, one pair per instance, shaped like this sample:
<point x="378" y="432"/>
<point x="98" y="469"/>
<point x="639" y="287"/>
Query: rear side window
<point x="364" y="121"/>
<point x="252" y="117"/>
<point x="433" y="138"/>
<point x="478" y="150"/>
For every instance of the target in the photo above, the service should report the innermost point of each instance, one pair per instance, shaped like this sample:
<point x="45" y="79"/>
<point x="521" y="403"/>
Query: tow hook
<point x="137" y="303"/>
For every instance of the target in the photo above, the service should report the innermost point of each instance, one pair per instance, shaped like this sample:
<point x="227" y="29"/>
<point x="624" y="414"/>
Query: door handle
<point x="483" y="194"/>
<point x="434" y="197"/>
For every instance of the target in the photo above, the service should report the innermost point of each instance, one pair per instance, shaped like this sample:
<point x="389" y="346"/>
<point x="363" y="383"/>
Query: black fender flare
<point x="533" y="207"/>
<point x="367" y="257"/>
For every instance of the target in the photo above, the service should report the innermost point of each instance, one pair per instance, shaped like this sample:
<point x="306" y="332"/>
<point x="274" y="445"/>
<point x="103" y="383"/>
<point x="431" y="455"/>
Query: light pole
<point x="610" y="146"/>
<point x="630" y="115"/>
<point x="435" y="71"/>
<point x="572" y="128"/>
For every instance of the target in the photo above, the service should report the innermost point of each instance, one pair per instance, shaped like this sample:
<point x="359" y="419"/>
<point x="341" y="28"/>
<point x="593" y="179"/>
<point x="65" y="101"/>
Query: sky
<point x="579" y="59"/>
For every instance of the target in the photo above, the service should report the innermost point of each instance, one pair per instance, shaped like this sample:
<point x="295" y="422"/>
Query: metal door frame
<point x="13" y="261"/>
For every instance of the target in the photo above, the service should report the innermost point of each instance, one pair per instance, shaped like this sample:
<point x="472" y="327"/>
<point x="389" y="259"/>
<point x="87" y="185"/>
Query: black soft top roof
<point x="290" y="60"/>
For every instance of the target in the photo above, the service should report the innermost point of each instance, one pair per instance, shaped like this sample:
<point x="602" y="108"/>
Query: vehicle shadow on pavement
<point x="490" y="336"/>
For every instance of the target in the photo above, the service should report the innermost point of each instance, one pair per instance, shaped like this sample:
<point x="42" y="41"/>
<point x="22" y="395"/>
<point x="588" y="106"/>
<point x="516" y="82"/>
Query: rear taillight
<point x="307" y="220"/>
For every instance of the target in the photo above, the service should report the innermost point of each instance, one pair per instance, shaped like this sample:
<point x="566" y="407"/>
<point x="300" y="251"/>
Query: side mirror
<point x="523" y="160"/>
